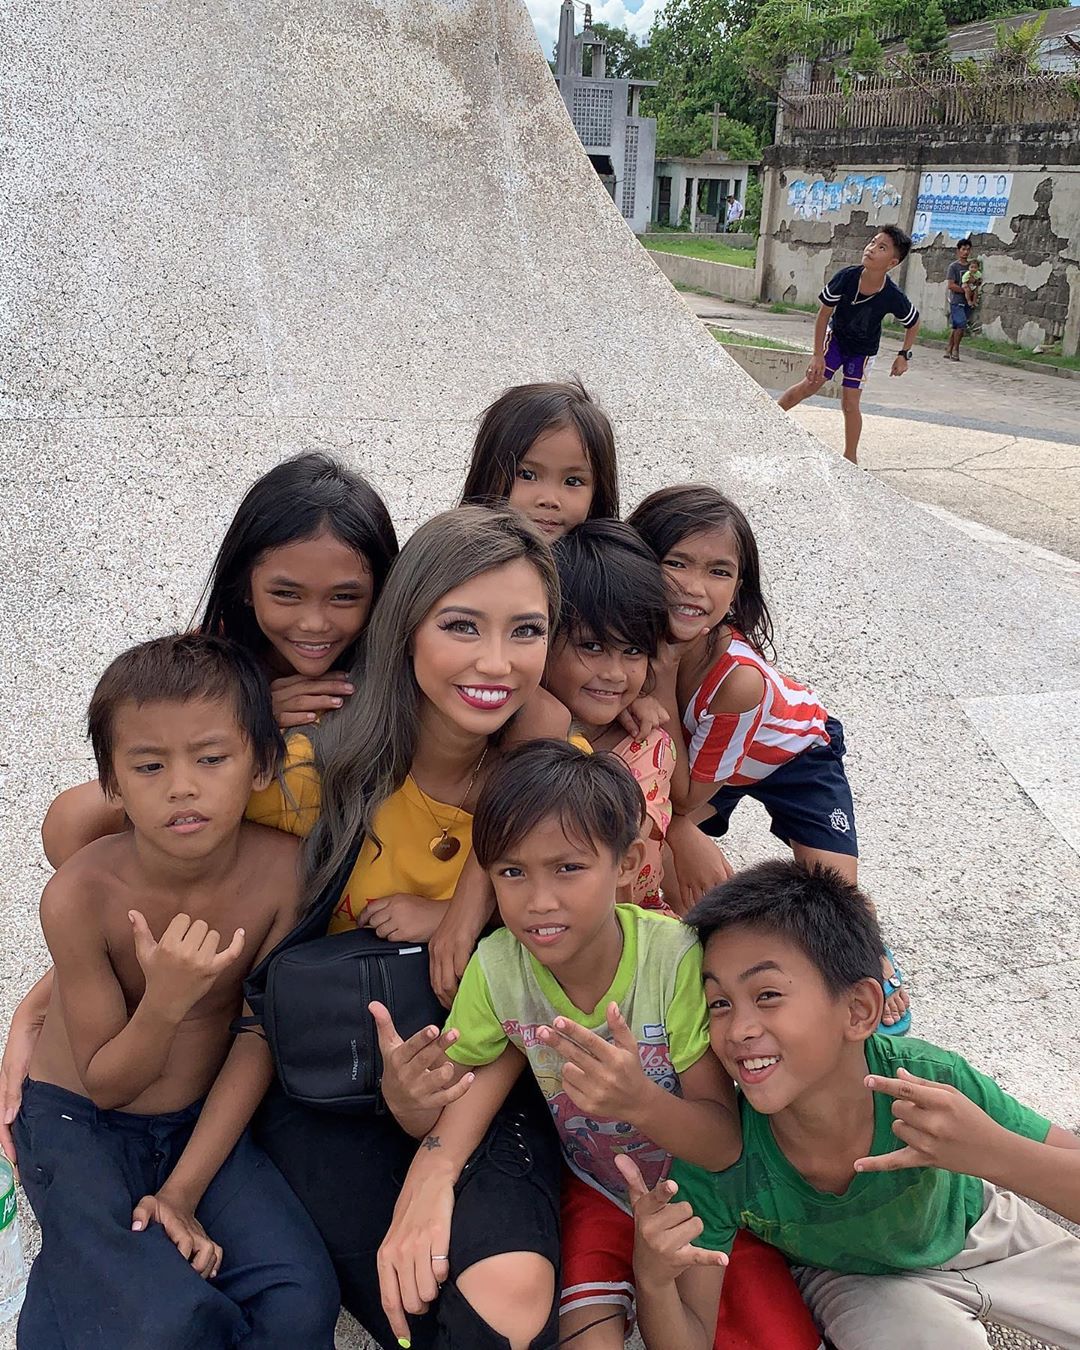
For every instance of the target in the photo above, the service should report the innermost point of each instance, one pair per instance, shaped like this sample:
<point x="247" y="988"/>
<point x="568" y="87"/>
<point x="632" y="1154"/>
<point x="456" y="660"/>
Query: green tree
<point x="866" y="57"/>
<point x="1016" y="48"/>
<point x="625" y="58"/>
<point x="694" y="57"/>
<point x="929" y="39"/>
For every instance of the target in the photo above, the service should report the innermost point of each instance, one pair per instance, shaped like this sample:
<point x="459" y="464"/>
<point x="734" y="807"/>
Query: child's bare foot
<point x="897" y="1002"/>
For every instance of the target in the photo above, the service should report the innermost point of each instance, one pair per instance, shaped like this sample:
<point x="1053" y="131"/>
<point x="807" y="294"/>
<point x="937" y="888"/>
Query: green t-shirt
<point x="885" y="1221"/>
<point x="506" y="995"/>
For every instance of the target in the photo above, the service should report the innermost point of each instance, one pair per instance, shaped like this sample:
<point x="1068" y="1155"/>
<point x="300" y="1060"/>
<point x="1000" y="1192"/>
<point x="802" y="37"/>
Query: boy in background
<point x="162" y="1223"/>
<point x="871" y="1162"/>
<point x="847" y="333"/>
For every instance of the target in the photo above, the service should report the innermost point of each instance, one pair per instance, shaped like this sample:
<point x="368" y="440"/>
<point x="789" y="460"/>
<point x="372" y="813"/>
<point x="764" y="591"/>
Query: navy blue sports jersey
<point x="856" y="320"/>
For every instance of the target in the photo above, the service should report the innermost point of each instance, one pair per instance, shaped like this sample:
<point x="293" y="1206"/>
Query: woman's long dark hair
<point x="511" y="424"/>
<point x="368" y="748"/>
<point x="667" y="517"/>
<point x="296" y="500"/>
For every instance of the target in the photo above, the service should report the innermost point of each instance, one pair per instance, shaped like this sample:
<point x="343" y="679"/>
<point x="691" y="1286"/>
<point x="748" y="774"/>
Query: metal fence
<point x="946" y="99"/>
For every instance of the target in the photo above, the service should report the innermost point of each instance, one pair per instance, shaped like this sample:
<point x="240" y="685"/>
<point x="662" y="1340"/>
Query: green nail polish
<point x="404" y="1343"/>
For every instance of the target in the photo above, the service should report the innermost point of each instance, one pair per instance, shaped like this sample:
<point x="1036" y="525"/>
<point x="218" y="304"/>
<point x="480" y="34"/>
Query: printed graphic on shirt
<point x="507" y="995"/>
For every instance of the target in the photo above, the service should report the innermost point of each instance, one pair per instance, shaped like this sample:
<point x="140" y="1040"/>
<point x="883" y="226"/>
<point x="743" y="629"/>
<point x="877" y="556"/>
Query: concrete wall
<point x="774" y="369"/>
<point x="820" y="206"/>
<point x="723" y="279"/>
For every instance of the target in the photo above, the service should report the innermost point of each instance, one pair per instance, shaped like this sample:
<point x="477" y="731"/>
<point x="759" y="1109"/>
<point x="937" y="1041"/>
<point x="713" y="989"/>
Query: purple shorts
<point x="856" y="368"/>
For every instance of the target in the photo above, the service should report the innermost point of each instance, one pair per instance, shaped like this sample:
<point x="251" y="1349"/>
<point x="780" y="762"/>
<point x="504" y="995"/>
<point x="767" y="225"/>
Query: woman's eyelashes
<point x="470" y="628"/>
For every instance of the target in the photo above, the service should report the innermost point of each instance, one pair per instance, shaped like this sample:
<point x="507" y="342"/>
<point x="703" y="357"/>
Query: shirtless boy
<point x="162" y="1223"/>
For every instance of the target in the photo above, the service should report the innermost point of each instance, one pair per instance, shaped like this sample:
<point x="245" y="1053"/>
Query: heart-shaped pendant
<point x="444" y="846"/>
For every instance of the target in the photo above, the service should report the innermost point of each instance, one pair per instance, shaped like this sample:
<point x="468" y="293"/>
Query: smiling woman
<point x="455" y="649"/>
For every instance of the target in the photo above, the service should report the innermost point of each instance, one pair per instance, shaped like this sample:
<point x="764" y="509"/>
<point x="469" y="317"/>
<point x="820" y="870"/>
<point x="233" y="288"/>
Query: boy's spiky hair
<point x="827" y="918"/>
<point x="900" y="239"/>
<point x="594" y="797"/>
<point x="179" y="669"/>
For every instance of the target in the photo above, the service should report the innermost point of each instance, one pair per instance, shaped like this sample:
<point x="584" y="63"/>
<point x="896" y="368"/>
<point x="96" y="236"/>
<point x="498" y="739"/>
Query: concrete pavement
<point x="207" y="268"/>
<point x="985" y="442"/>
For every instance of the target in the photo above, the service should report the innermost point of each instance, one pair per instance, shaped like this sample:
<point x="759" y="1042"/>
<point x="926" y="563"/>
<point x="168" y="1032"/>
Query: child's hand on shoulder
<point x="663" y="1231"/>
<point x="183" y="1230"/>
<point x="602" y="1077"/>
<point x="642" y="717"/>
<point x="298" y="700"/>
<point x="184" y="965"/>
<point x="938" y="1126"/>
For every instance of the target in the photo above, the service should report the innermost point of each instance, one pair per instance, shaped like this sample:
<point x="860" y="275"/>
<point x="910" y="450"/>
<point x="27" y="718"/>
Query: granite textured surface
<point x="235" y="231"/>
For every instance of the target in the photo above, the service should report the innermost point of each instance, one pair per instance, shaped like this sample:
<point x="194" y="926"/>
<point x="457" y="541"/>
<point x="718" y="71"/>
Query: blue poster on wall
<point x="957" y="203"/>
<point x="818" y="198"/>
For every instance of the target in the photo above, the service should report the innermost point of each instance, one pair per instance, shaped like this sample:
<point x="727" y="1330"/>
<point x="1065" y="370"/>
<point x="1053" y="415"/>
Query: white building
<point x="620" y="143"/>
<point x="701" y="184"/>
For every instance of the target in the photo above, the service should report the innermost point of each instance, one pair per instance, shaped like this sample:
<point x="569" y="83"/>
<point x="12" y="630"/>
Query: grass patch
<point x="1006" y="349"/>
<point x="782" y="307"/>
<point x="699" y="246"/>
<point x="730" y="339"/>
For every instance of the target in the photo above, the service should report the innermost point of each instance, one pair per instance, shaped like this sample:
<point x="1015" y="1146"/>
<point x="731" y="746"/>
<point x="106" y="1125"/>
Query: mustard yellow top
<point x="403" y="823"/>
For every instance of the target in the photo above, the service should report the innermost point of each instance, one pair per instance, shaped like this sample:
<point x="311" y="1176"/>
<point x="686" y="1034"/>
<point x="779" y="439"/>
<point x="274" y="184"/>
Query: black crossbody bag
<point x="310" y="995"/>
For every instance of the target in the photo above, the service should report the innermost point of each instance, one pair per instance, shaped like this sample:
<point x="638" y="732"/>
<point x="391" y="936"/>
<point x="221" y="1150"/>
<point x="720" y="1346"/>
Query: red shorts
<point x="761" y="1308"/>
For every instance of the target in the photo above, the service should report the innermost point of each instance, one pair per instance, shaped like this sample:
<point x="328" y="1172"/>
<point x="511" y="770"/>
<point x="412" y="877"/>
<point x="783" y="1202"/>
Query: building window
<point x="629" y="178"/>
<point x="591" y="114"/>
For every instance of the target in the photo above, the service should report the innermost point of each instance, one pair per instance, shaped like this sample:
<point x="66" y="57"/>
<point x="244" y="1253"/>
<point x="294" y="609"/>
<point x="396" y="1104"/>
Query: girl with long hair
<point x="549" y="450"/>
<point x="454" y="651"/>
<point x="749" y="729"/>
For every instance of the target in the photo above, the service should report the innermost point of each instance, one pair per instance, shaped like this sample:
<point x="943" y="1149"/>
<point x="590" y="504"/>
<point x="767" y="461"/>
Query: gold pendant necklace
<point x="445" y="846"/>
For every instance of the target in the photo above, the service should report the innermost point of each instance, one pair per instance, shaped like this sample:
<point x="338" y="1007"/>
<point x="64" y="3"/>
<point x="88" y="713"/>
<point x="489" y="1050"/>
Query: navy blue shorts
<point x="808" y="799"/>
<point x="959" y="313"/>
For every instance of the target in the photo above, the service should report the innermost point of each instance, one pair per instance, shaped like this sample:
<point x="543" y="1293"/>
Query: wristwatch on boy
<point x="905" y="353"/>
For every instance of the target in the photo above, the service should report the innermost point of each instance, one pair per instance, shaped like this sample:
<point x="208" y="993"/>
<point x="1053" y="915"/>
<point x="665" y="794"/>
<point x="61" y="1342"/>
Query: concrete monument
<point x="218" y="252"/>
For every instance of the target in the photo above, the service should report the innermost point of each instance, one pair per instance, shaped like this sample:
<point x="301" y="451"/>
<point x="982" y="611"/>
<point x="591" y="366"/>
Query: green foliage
<point x="625" y="58"/>
<point x="929" y="39"/>
<point x="866" y="56"/>
<point x="1016" y="49"/>
<point x="754" y="193"/>
<point x="694" y="56"/>
<point x="682" y="136"/>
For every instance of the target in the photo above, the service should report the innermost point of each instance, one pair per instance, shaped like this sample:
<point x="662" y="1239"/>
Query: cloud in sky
<point x="636" y="16"/>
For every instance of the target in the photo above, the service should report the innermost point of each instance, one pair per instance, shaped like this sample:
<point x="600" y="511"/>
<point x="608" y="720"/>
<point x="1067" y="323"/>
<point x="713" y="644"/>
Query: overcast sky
<point x="634" y="15"/>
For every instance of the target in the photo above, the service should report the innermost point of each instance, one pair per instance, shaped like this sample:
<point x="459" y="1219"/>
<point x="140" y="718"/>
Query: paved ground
<point x="207" y="268"/>
<point x="985" y="442"/>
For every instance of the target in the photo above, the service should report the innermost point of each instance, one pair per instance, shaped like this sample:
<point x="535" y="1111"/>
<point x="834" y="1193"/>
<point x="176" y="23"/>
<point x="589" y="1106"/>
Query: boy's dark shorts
<point x="855" y="366"/>
<point x="808" y="799"/>
<point x="959" y="313"/>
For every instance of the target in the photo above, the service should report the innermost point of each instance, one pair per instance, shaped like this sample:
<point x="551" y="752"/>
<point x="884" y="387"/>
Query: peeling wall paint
<point x="1028" y="252"/>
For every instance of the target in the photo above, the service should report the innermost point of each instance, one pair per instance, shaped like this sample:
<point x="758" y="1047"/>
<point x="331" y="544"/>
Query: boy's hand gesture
<point x="603" y="1078"/>
<point x="663" y="1232"/>
<point x="183" y="966"/>
<point x="184" y="1231"/>
<point x="939" y="1126"/>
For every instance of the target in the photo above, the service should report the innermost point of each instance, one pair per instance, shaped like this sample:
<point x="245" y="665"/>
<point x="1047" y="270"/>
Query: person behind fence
<point x="847" y="333"/>
<point x="885" y="1170"/>
<point x="162" y="1223"/>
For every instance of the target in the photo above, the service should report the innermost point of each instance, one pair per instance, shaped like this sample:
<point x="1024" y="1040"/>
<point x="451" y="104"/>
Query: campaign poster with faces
<point x="960" y="202"/>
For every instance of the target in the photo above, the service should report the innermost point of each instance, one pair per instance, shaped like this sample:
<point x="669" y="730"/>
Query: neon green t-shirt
<point x="506" y="995"/>
<point x="885" y="1221"/>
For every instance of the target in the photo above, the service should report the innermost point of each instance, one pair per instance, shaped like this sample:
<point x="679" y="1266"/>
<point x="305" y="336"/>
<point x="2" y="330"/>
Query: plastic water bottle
<point x="12" y="1265"/>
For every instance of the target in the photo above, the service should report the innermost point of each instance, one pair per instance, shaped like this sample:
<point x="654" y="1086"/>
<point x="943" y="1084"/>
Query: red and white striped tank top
<point x="743" y="748"/>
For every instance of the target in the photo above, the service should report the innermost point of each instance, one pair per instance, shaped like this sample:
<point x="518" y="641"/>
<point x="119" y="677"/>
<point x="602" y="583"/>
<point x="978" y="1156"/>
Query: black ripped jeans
<point x="348" y="1171"/>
